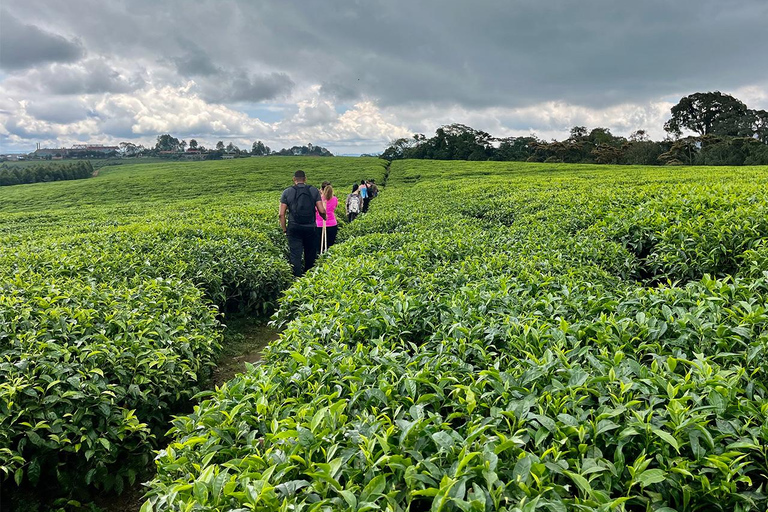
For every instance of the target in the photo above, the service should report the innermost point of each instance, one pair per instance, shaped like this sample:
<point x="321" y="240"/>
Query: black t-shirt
<point x="289" y="195"/>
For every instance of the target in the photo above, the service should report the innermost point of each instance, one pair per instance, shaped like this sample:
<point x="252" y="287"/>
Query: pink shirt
<point x="330" y="213"/>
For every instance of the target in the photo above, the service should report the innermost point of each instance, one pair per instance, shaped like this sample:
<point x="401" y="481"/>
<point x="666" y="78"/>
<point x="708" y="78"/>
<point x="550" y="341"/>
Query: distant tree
<point x="192" y="144"/>
<point x="516" y="148"/>
<point x="259" y="149"/>
<point x="397" y="149"/>
<point x="167" y="143"/>
<point x="220" y="146"/>
<point x="604" y="136"/>
<point x="607" y="154"/>
<point x="308" y="150"/>
<point x="183" y="145"/>
<point x="639" y="136"/>
<point x="681" y="152"/>
<point x="757" y="122"/>
<point x="708" y="113"/>
<point x="231" y="148"/>
<point x="640" y="150"/>
<point x="128" y="148"/>
<point x="578" y="133"/>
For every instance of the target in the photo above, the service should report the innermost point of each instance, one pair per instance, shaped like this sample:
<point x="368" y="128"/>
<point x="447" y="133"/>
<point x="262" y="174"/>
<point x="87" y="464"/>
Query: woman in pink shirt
<point x="331" y="226"/>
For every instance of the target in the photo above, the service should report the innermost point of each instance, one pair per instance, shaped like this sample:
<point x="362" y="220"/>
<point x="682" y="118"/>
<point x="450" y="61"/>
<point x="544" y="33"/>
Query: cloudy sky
<point x="353" y="75"/>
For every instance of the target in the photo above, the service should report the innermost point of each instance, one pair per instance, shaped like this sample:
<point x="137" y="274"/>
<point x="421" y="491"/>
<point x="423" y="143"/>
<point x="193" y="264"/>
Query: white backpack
<point x="353" y="203"/>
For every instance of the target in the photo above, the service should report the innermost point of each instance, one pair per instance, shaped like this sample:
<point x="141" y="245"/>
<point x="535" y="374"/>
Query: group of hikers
<point x="308" y="217"/>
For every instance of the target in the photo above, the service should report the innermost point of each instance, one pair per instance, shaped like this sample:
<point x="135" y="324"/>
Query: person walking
<point x="301" y="202"/>
<point x="329" y="223"/>
<point x="373" y="190"/>
<point x="354" y="203"/>
<point x="363" y="190"/>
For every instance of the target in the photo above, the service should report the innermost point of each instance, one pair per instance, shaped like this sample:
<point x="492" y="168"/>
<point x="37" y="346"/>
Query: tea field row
<point x="501" y="336"/>
<point x="112" y="291"/>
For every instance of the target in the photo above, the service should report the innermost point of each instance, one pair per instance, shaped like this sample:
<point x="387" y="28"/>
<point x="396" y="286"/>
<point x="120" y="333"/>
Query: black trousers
<point x="366" y="202"/>
<point x="352" y="216"/>
<point x="330" y="232"/>
<point x="301" y="239"/>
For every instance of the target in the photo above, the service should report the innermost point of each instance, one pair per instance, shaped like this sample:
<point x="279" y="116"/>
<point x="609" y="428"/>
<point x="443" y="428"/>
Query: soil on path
<point x="244" y="341"/>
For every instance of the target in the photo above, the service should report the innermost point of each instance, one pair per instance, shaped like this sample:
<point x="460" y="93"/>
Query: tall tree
<point x="708" y="113"/>
<point x="220" y="146"/>
<point x="758" y="125"/>
<point x="260" y="149"/>
<point x="167" y="143"/>
<point x="193" y="144"/>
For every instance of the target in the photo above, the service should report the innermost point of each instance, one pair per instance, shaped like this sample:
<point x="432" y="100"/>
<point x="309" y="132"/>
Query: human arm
<point x="319" y="204"/>
<point x="320" y="209"/>
<point x="283" y="209"/>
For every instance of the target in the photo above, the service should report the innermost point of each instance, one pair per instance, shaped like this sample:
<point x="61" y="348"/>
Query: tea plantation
<point x="518" y="337"/>
<point x="490" y="336"/>
<point x="111" y="294"/>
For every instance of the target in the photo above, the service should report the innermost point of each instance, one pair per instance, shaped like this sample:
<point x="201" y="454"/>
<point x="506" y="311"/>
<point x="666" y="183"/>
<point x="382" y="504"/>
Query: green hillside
<point x="501" y="336"/>
<point x="491" y="336"/>
<point x="111" y="290"/>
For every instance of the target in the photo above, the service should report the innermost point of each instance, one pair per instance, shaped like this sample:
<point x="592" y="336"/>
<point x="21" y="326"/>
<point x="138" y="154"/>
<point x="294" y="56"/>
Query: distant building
<point x="193" y="154"/>
<point x="82" y="149"/>
<point x="50" y="152"/>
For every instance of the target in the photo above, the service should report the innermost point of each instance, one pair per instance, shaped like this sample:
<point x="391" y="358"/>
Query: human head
<point x="299" y="176"/>
<point x="327" y="190"/>
<point x="355" y="187"/>
<point x="362" y="182"/>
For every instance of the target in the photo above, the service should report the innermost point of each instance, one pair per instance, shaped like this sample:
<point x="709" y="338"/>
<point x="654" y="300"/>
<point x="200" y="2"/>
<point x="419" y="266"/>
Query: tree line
<point x="18" y="175"/>
<point x="726" y="132"/>
<point x="170" y="146"/>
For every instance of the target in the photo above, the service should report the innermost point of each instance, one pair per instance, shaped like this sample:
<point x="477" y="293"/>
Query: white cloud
<point x="552" y="119"/>
<point x="142" y="115"/>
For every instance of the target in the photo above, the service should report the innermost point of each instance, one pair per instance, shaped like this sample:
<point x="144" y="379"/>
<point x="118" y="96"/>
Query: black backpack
<point x="303" y="206"/>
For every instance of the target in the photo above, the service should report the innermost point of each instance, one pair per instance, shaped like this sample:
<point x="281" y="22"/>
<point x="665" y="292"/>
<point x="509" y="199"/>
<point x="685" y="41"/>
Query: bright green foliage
<point x="508" y="337"/>
<point x="110" y="297"/>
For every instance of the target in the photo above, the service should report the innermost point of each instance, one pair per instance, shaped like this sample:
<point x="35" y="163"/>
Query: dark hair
<point x="362" y="182"/>
<point x="325" y="184"/>
<point x="355" y="187"/>
<point x="299" y="174"/>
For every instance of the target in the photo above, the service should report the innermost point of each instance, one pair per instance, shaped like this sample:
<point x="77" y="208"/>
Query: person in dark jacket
<point x="300" y="202"/>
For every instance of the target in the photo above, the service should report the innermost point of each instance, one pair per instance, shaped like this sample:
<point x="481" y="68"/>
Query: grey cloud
<point x="195" y="64"/>
<point x="24" y="46"/>
<point x="240" y="87"/>
<point x="92" y="77"/>
<point x="411" y="56"/>
<point x="58" y="110"/>
<point x="476" y="54"/>
<point x="339" y="91"/>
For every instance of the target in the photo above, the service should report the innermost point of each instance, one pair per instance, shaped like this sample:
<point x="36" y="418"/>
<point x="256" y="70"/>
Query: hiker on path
<point x="302" y="202"/>
<point x="354" y="203"/>
<point x="364" y="194"/>
<point x="373" y="190"/>
<point x="331" y="225"/>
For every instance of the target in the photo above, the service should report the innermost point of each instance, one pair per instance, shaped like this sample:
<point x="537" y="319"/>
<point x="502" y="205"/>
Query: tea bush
<point x="112" y="291"/>
<point x="491" y="337"/>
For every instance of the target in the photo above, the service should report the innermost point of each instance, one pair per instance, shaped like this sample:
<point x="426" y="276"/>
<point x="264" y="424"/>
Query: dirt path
<point x="244" y="341"/>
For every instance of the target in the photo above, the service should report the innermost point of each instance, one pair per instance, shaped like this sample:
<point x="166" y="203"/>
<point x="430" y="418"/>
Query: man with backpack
<point x="300" y="202"/>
